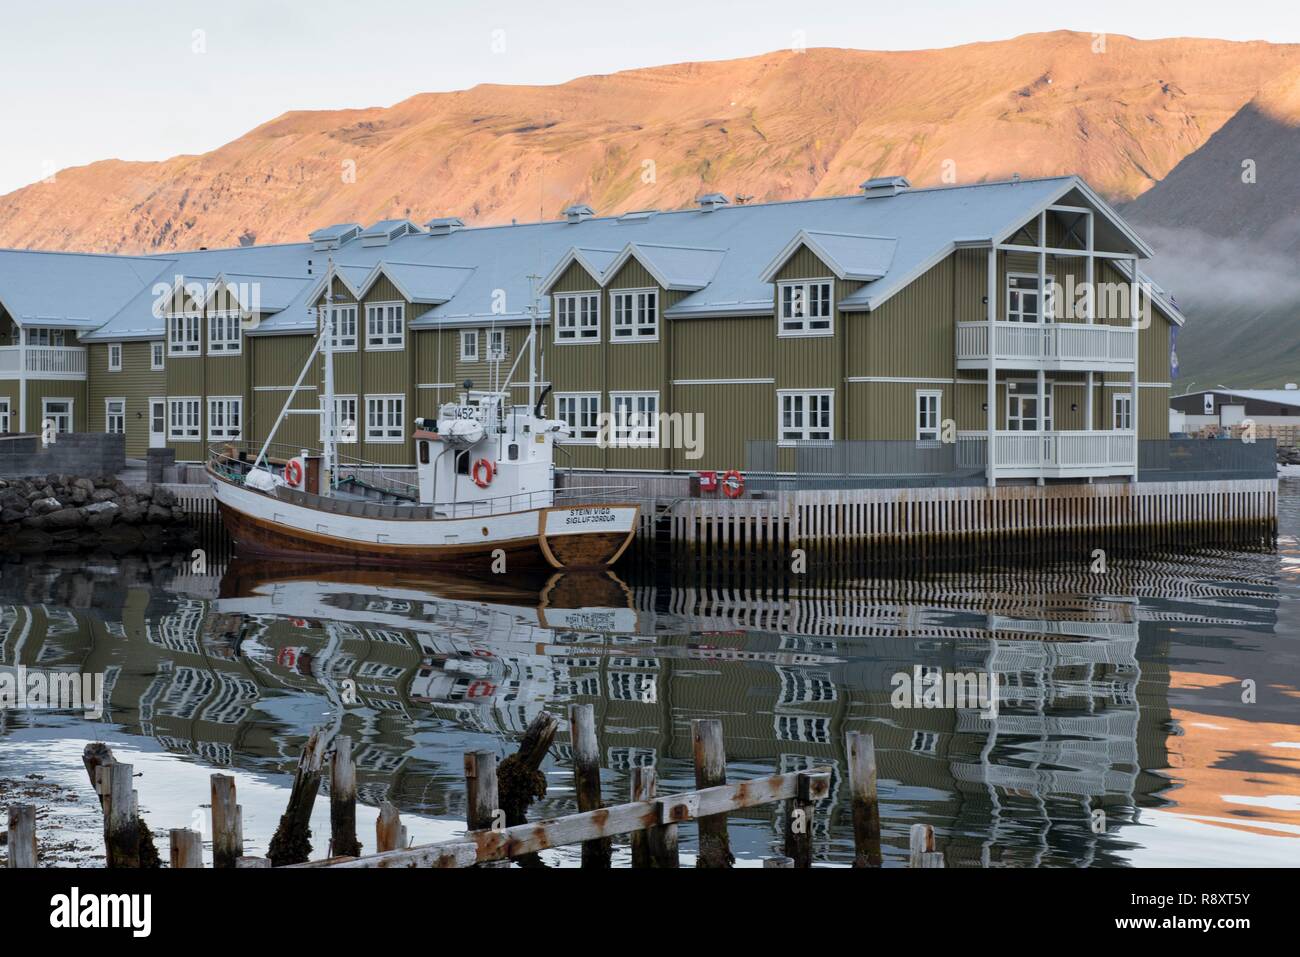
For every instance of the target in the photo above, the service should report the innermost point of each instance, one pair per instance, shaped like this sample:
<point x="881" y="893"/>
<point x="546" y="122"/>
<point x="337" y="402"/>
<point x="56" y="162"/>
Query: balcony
<point x="1060" y="346"/>
<point x="1064" y="454"/>
<point x="44" y="362"/>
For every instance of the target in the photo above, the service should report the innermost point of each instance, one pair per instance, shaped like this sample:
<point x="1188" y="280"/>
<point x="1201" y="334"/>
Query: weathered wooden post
<point x="778" y="862"/>
<point x="291" y="843"/>
<point x="861" y="750"/>
<point x="586" y="772"/>
<point x="520" y="780"/>
<point x="920" y="841"/>
<point x="121" y="836"/>
<point x="655" y="846"/>
<point x="711" y="770"/>
<point x="98" y="760"/>
<point x="481" y="790"/>
<point x="227" y="830"/>
<point x="389" y="832"/>
<point x="932" y="859"/>
<point x="186" y="848"/>
<point x="245" y="862"/>
<point x="799" y="823"/>
<point x="22" y="836"/>
<point x="343" y="801"/>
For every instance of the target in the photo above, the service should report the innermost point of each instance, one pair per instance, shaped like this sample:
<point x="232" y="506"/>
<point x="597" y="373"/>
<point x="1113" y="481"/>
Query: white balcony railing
<point x="62" y="362"/>
<point x="1056" y="345"/>
<point x="1060" y="454"/>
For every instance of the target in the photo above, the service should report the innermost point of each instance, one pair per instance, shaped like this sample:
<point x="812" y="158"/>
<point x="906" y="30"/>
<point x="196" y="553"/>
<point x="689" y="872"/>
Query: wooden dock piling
<point x="227" y="829"/>
<point x="519" y="777"/>
<point x="343" y="801"/>
<point x="861" y="751"/>
<point x="482" y="804"/>
<point x="586" y="773"/>
<point x="291" y="843"/>
<point x="920" y="842"/>
<point x="655" y="846"/>
<point x="22" y="836"/>
<point x="390" y="834"/>
<point x="710" y="771"/>
<point x="186" y="848"/>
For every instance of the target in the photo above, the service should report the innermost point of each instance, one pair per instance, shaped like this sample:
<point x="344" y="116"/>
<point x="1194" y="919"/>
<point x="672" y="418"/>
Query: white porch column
<point x="1136" y="320"/>
<point x="22" y="378"/>
<point x="1090" y="279"/>
<point x="1043" y="438"/>
<point x="991" y="388"/>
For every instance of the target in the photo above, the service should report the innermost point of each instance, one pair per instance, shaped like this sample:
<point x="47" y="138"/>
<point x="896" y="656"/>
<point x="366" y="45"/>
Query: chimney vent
<point x="578" y="212"/>
<point x="885" y="186"/>
<point x="711" y="201"/>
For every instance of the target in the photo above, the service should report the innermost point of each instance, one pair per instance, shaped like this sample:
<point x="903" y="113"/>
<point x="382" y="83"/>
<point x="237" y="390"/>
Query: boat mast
<point x="327" y="345"/>
<point x="532" y="342"/>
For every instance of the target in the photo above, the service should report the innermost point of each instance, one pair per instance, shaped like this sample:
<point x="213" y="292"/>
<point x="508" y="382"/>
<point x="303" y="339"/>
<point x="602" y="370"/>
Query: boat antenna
<point x="533" y="279"/>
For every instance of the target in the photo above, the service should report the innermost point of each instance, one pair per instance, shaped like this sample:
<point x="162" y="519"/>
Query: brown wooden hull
<point x="257" y="537"/>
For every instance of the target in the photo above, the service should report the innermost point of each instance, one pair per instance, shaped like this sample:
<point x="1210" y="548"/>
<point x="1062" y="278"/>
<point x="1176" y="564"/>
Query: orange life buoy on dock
<point x="293" y="473"/>
<point x="733" y="484"/>
<point x="483" y="473"/>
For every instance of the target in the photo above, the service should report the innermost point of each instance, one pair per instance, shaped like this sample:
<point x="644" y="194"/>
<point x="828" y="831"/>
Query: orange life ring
<point x="733" y="484"/>
<point x="483" y="473"/>
<point x="293" y="473"/>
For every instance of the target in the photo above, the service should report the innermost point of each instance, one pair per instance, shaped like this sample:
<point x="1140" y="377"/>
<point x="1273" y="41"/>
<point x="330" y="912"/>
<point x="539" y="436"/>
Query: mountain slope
<point x="772" y="127"/>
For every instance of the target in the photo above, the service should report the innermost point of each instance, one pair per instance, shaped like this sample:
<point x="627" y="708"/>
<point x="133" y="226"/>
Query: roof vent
<point x="711" y="201"/>
<point x="332" y="237"/>
<point x="386" y="230"/>
<point x="885" y="186"/>
<point x="637" y="216"/>
<point x="445" y="225"/>
<point x="578" y="212"/>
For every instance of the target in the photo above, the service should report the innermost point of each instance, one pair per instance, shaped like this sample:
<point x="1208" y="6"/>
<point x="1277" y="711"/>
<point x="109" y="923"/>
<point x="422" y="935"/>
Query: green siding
<point x="136" y="383"/>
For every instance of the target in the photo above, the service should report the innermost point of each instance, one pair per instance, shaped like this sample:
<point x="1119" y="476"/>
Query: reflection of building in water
<point x="242" y="680"/>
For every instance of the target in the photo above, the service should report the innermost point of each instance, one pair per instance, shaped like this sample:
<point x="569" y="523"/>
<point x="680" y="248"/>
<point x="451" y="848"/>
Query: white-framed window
<point x="385" y="418"/>
<point x="346" y="424"/>
<point x="184" y="419"/>
<point x="577" y="317"/>
<point x="636" y="418"/>
<point x="929" y="410"/>
<point x="115" y="357"/>
<point x="496" y="345"/>
<point x="805" y="308"/>
<point x="469" y="345"/>
<point x="157" y="356"/>
<point x="46" y="337"/>
<point x="805" y="416"/>
<point x="580" y="411"/>
<point x="1023" y="299"/>
<point x="224" y="334"/>
<point x="4" y="415"/>
<point x="635" y="315"/>
<point x="345" y="327"/>
<point x="1022" y="408"/>
<point x="58" y="412"/>
<point x="1121" y="406"/>
<point x="115" y="416"/>
<point x="225" y="417"/>
<point x="183" y="335"/>
<point x="385" y="325"/>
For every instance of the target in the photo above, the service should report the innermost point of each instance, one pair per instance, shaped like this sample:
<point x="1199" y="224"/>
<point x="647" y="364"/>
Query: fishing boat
<point x="484" y="497"/>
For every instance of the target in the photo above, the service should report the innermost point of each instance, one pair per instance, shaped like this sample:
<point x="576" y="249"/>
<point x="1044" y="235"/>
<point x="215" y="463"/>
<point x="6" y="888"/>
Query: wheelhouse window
<point x="581" y="413"/>
<point x="345" y="328"/>
<point x="929" y="406"/>
<point x="157" y="356"/>
<point x="115" y="357"/>
<point x="115" y="416"/>
<point x="57" y="414"/>
<point x="346" y="424"/>
<point x="1024" y="300"/>
<point x="223" y="334"/>
<point x="577" y="317"/>
<point x="636" y="419"/>
<point x="183" y="335"/>
<point x="385" y="418"/>
<point x="183" y="419"/>
<point x="636" y="315"/>
<point x="385" y="325"/>
<point x="469" y="345"/>
<point x="225" y="417"/>
<point x="1122" y="412"/>
<point x="805" y="416"/>
<point x="805" y="308"/>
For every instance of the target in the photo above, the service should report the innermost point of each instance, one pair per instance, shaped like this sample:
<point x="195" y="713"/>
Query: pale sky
<point x="82" y="80"/>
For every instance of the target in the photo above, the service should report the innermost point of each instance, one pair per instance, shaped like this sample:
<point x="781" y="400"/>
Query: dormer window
<point x="805" y="308"/>
<point x="183" y="335"/>
<point x="635" y="315"/>
<point x="385" y="326"/>
<point x="577" y="317"/>
<point x="223" y="334"/>
<point x="345" y="328"/>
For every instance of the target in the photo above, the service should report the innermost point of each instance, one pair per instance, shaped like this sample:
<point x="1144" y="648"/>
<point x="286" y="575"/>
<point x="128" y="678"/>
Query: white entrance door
<point x="157" y="424"/>
<point x="1022" y="412"/>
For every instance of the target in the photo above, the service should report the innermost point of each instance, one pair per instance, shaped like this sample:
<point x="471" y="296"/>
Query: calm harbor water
<point x="1164" y="693"/>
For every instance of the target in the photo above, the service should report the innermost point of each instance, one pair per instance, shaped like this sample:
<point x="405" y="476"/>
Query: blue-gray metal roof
<point x="491" y="273"/>
<point x="70" y="290"/>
